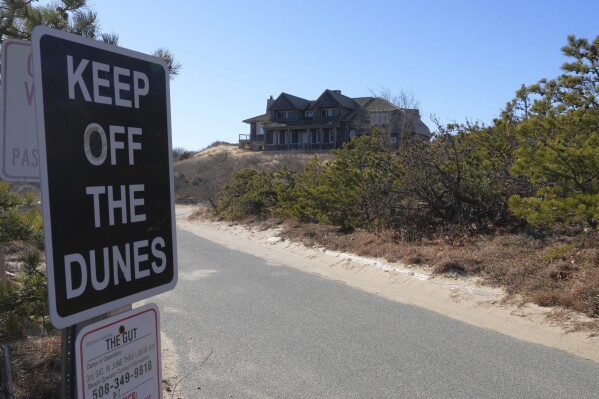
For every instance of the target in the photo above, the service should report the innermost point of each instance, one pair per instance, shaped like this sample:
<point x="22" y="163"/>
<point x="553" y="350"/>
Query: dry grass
<point x="198" y="178"/>
<point x="36" y="367"/>
<point x="35" y="360"/>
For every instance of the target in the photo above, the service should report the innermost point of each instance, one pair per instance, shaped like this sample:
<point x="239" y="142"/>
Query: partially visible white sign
<point x="119" y="357"/>
<point x="19" y="148"/>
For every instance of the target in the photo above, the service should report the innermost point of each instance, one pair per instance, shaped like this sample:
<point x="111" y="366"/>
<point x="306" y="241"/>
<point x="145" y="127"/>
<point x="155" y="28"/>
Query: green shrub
<point x="248" y="192"/>
<point x="357" y="189"/>
<point x="24" y="302"/>
<point x="20" y="218"/>
<point x="558" y="133"/>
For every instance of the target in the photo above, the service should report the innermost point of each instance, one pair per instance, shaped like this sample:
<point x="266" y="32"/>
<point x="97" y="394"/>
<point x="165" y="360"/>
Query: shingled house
<point x="292" y="123"/>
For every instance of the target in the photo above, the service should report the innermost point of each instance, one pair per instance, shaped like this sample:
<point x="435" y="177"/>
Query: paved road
<point x="247" y="329"/>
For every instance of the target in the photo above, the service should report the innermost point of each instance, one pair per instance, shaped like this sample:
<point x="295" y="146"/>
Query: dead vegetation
<point x="199" y="177"/>
<point x="36" y="367"/>
<point x="35" y="349"/>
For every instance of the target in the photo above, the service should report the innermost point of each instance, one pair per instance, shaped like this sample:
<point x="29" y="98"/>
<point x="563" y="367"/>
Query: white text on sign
<point x="100" y="268"/>
<point x="122" y="81"/>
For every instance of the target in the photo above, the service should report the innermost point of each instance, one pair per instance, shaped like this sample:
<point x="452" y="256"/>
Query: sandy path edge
<point x="461" y="299"/>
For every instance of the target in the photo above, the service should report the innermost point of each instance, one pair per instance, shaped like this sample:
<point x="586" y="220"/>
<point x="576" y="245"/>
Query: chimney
<point x="269" y="102"/>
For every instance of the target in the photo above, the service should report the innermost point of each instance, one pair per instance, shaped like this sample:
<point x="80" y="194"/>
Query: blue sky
<point x="461" y="59"/>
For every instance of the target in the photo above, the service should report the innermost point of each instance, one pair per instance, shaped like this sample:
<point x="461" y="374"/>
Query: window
<point x="329" y="112"/>
<point x="284" y="114"/>
<point x="329" y="136"/>
<point x="309" y="114"/>
<point x="379" y="118"/>
<point x="277" y="137"/>
<point x="393" y="140"/>
<point x="316" y="136"/>
<point x="294" y="137"/>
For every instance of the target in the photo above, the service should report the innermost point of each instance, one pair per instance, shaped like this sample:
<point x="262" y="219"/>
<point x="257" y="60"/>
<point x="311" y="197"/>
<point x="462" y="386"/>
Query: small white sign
<point x="119" y="357"/>
<point x="19" y="152"/>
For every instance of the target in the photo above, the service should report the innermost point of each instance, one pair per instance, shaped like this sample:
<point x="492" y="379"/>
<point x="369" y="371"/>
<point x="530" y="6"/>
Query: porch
<point x="303" y="139"/>
<point x="246" y="143"/>
<point x="305" y="147"/>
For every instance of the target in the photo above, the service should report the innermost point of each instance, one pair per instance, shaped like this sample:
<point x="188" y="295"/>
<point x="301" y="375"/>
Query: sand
<point x="464" y="299"/>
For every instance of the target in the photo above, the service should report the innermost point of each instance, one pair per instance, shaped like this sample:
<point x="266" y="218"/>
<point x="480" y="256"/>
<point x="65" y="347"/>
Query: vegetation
<point x="557" y="126"/>
<point x="181" y="154"/>
<point x="23" y="301"/>
<point x="459" y="181"/>
<point x="201" y="176"/>
<point x="251" y="192"/>
<point x="18" y="18"/>
<point x="533" y="174"/>
<point x="20" y="218"/>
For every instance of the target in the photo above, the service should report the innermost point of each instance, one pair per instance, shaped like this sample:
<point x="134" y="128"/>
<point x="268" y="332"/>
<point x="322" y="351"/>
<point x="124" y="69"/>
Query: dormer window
<point x="309" y="114"/>
<point x="329" y="112"/>
<point x="284" y="114"/>
<point x="379" y="118"/>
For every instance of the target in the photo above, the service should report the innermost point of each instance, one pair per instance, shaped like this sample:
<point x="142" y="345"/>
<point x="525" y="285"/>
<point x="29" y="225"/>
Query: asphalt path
<point x="243" y="328"/>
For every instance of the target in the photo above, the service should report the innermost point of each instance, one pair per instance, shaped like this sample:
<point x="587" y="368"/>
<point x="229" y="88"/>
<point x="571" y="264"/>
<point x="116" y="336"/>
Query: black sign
<point x="106" y="173"/>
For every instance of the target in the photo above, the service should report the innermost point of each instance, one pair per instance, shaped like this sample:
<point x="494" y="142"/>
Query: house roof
<point x="362" y="101"/>
<point x="419" y="126"/>
<point x="259" y="118"/>
<point x="379" y="104"/>
<point x="344" y="101"/>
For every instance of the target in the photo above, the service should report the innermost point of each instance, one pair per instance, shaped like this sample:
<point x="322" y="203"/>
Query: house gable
<point x="333" y="100"/>
<point x="288" y="102"/>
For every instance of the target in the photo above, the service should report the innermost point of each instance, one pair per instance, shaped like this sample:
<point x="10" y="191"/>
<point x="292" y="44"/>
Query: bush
<point x="24" y="302"/>
<point x="558" y="132"/>
<point x="461" y="178"/>
<point x="20" y="218"/>
<point x="248" y="192"/>
<point x="359" y="188"/>
<point x="181" y="154"/>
